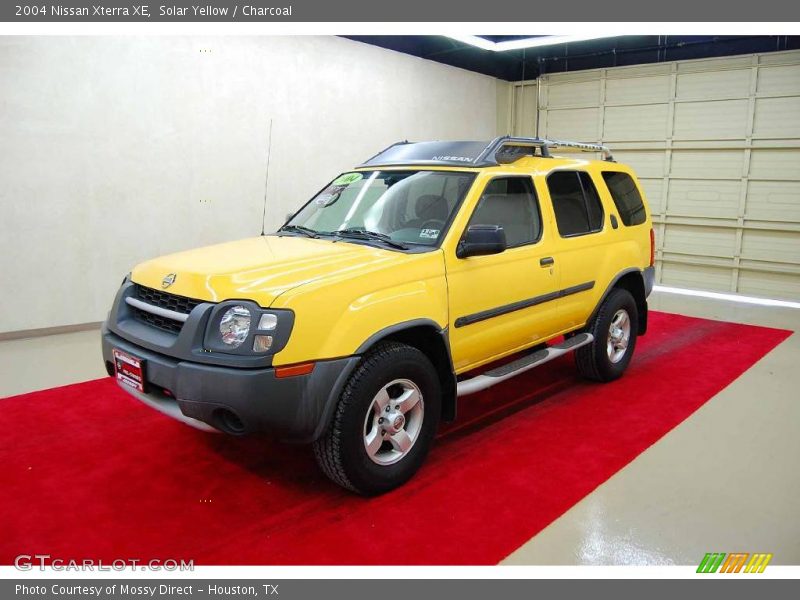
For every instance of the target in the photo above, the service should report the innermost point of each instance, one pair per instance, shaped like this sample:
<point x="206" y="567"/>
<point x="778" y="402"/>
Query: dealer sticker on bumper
<point x="129" y="370"/>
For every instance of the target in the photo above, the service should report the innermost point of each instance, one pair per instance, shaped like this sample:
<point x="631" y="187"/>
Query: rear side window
<point x="626" y="197"/>
<point x="511" y="203"/>
<point x="575" y="202"/>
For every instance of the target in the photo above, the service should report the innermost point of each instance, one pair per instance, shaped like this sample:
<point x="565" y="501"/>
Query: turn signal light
<point x="294" y="370"/>
<point x="262" y="343"/>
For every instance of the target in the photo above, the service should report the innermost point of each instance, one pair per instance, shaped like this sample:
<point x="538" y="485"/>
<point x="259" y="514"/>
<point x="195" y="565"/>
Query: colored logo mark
<point x="736" y="562"/>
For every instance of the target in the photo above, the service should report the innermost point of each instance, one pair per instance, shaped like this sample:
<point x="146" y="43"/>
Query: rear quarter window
<point x="626" y="197"/>
<point x="575" y="202"/>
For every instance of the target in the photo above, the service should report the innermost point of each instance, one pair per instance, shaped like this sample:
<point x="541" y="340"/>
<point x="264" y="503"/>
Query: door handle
<point x="547" y="261"/>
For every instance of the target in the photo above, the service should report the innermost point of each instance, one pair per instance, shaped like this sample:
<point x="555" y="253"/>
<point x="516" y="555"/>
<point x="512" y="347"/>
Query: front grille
<point x="180" y="304"/>
<point x="156" y="321"/>
<point x="174" y="302"/>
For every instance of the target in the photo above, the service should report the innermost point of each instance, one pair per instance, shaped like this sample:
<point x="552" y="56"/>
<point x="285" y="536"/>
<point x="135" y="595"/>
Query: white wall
<point x="113" y="150"/>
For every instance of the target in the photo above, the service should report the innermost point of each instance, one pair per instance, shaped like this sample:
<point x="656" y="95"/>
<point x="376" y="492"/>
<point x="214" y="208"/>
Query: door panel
<point x="503" y="302"/>
<point x="499" y="303"/>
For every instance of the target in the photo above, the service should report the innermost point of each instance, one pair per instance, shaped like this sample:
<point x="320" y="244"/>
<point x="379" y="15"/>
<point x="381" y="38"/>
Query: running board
<point x="507" y="371"/>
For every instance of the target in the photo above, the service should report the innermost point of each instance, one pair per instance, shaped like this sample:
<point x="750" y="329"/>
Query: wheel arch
<point x="632" y="280"/>
<point x="433" y="341"/>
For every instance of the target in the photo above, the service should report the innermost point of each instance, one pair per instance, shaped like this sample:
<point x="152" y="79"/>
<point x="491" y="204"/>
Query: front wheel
<point x="384" y="422"/>
<point x="614" y="329"/>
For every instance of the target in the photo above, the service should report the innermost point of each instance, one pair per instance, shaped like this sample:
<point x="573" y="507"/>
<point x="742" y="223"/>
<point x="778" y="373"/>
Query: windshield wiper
<point x="356" y="233"/>
<point x="300" y="229"/>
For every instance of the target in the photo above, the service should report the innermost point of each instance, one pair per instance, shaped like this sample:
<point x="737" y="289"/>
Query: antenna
<point x="266" y="179"/>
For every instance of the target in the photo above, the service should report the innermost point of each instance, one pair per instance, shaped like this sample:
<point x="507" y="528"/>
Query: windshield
<point x="410" y="207"/>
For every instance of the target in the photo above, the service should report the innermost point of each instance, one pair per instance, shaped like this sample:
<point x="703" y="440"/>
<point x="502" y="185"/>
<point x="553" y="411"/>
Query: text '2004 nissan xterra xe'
<point x="398" y="288"/>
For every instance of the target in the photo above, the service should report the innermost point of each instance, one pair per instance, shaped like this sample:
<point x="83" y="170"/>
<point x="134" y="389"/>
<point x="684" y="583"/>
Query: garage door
<point x="717" y="146"/>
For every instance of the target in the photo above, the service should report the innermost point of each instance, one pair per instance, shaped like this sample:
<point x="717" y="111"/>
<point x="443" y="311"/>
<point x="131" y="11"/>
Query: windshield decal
<point x="430" y="234"/>
<point x="347" y="179"/>
<point x="329" y="196"/>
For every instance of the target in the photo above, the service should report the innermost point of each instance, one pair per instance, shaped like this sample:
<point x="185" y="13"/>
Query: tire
<point x="351" y="452"/>
<point x="605" y="359"/>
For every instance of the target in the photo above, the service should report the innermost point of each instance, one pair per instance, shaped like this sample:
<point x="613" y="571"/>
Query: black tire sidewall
<point x="616" y="300"/>
<point x="403" y="362"/>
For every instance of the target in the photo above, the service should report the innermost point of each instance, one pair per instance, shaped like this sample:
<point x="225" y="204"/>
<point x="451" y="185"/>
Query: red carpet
<point x="87" y="472"/>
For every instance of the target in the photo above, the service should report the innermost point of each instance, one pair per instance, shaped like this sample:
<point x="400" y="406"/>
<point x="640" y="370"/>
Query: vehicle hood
<point x="259" y="269"/>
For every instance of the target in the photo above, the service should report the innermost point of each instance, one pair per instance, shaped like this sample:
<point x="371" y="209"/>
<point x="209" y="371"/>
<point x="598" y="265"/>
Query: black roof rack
<point x="501" y="150"/>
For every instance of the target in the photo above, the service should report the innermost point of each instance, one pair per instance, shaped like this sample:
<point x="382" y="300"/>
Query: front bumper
<point x="237" y="400"/>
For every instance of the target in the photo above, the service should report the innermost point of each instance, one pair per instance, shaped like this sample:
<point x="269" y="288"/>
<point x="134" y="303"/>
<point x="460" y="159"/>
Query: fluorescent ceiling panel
<point x="534" y="42"/>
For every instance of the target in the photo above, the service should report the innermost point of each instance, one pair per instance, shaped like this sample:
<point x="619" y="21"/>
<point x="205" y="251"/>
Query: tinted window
<point x="626" y="197"/>
<point x="575" y="202"/>
<point x="593" y="205"/>
<point x="510" y="202"/>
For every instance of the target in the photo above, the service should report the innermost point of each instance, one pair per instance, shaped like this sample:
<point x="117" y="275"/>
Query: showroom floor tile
<point x="724" y="480"/>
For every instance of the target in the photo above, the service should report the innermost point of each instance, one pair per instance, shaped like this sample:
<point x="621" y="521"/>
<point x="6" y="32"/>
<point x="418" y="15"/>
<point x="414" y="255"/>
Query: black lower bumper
<point x="239" y="400"/>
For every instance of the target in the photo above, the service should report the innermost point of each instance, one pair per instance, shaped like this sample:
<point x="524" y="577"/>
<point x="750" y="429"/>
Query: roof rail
<point x="501" y="150"/>
<point x="605" y="150"/>
<point x="490" y="154"/>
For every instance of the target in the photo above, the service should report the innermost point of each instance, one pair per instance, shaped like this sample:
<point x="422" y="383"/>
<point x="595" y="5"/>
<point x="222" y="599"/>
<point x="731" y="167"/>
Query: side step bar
<point x="507" y="371"/>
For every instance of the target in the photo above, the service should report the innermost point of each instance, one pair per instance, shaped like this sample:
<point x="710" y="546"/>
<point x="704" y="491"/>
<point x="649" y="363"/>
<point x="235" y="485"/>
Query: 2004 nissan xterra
<point x="396" y="289"/>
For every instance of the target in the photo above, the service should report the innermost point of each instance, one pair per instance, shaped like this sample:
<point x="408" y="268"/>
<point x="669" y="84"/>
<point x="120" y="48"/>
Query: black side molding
<point x="522" y="304"/>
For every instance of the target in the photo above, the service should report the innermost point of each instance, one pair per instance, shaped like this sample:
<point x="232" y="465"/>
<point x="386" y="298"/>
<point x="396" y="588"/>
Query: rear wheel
<point x="614" y="328"/>
<point x="384" y="422"/>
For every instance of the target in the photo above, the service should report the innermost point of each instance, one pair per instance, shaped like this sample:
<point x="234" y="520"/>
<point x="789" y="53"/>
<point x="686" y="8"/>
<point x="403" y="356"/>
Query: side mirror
<point x="481" y="240"/>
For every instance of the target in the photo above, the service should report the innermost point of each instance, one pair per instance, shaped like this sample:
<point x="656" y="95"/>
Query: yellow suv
<point x="400" y="286"/>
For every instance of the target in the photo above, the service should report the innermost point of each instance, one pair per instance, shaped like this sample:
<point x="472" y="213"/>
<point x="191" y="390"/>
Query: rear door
<point x="502" y="303"/>
<point x="583" y="242"/>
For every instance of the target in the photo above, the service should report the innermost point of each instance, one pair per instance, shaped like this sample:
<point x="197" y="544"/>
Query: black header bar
<point x="711" y="11"/>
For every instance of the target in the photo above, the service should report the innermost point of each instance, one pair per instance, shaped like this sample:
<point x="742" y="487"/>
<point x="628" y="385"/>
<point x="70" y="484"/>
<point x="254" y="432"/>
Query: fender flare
<point x="398" y="327"/>
<point x="612" y="285"/>
<point x="444" y="368"/>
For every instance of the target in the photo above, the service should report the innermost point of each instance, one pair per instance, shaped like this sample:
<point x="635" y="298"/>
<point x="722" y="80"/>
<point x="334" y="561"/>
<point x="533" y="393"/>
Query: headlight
<point x="234" y="326"/>
<point x="244" y="328"/>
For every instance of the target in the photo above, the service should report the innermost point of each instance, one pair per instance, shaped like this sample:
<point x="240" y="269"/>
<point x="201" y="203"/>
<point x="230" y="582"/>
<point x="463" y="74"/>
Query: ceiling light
<point x="531" y="42"/>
